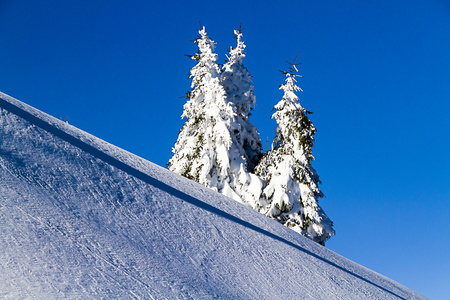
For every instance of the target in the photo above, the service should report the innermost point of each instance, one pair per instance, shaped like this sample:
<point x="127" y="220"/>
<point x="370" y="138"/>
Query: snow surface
<point x="81" y="218"/>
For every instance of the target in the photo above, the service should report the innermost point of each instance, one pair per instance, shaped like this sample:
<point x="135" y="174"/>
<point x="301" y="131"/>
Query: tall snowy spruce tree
<point x="292" y="188"/>
<point x="207" y="150"/>
<point x="237" y="82"/>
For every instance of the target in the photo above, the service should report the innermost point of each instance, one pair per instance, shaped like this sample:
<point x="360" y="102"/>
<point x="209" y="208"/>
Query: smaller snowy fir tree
<point x="292" y="188"/>
<point x="206" y="150"/>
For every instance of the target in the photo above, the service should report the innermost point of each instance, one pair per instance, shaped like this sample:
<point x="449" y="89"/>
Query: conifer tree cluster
<point x="219" y="148"/>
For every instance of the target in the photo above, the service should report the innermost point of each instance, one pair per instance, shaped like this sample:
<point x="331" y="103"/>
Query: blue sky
<point x="376" y="74"/>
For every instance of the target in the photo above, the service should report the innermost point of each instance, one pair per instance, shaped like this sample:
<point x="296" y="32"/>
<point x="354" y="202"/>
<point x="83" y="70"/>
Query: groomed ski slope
<point x="81" y="218"/>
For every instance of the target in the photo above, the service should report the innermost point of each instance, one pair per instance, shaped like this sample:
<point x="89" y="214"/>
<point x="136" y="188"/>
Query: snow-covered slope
<point x="80" y="218"/>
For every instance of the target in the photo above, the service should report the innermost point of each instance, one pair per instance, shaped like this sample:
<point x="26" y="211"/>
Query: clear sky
<point x="376" y="74"/>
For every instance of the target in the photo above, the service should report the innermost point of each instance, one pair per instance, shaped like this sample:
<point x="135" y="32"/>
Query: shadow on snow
<point x="164" y="187"/>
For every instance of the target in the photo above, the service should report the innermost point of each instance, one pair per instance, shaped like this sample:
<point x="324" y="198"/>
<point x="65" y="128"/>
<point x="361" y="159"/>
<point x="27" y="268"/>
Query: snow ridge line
<point x="84" y="146"/>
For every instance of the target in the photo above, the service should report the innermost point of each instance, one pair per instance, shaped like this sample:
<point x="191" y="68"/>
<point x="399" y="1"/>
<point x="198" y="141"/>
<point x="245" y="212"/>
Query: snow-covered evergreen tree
<point x="206" y="150"/>
<point x="237" y="82"/>
<point x="292" y="188"/>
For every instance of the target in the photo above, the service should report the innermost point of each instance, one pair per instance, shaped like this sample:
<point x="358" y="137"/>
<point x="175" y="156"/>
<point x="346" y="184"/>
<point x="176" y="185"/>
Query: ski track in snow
<point x="80" y="217"/>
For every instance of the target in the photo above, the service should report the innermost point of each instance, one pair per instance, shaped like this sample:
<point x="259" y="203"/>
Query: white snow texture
<point x="81" y="218"/>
